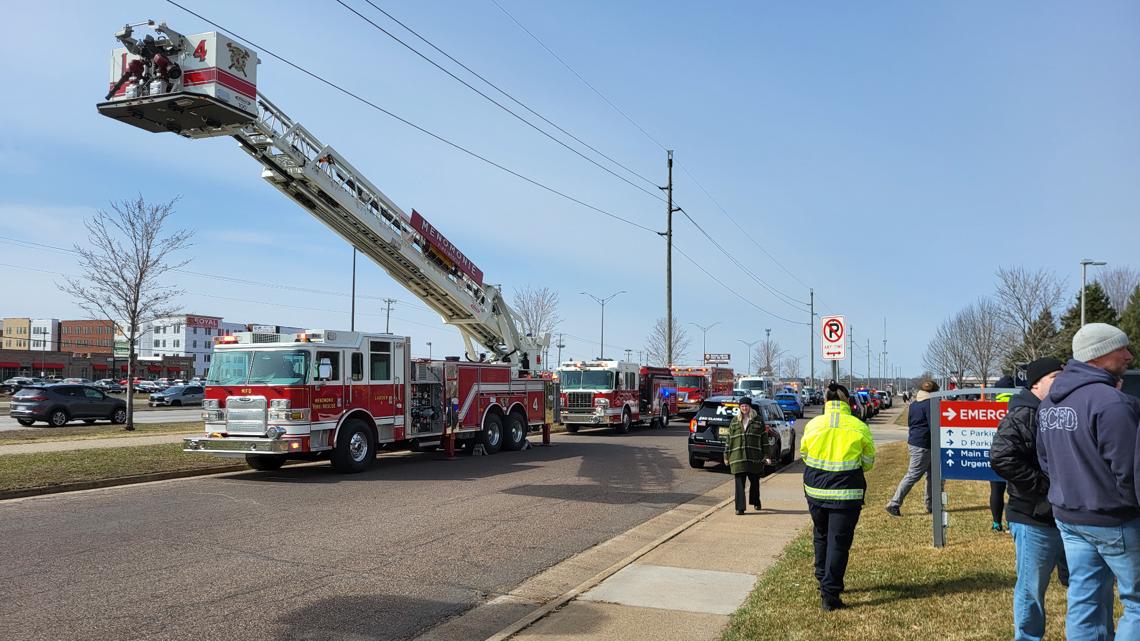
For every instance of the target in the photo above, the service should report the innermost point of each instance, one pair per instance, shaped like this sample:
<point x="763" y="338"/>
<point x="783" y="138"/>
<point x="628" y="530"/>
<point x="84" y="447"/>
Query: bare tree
<point x="655" y="344"/>
<point x="1023" y="297"/>
<point x="792" y="366"/>
<point x="946" y="354"/>
<point x="1118" y="283"/>
<point x="766" y="358"/>
<point x="985" y="342"/>
<point x="537" y="308"/>
<point x="126" y="256"/>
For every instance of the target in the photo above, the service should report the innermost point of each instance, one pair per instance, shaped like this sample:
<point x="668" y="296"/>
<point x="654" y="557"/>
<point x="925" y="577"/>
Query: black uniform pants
<point x="753" y="489"/>
<point x="833" y="533"/>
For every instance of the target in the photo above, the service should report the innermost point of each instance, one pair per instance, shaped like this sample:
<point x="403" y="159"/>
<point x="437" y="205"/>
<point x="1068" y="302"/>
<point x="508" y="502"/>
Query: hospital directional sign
<point x="966" y="431"/>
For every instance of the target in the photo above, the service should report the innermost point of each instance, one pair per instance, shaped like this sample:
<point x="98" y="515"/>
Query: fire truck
<point x="615" y="393"/>
<point x="695" y="384"/>
<point x="320" y="392"/>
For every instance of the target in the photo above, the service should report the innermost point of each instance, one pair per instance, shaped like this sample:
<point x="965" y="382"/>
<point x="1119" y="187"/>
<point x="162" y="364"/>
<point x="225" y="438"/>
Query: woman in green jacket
<point x="747" y="453"/>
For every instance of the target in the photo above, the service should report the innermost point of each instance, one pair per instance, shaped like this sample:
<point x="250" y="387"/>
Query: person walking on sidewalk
<point x="918" y="445"/>
<point x="837" y="449"/>
<point x="1086" y="445"/>
<point x="1036" y="540"/>
<point x="747" y="453"/>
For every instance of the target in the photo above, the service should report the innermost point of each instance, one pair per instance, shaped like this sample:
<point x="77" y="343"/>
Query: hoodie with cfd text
<point x="1086" y="444"/>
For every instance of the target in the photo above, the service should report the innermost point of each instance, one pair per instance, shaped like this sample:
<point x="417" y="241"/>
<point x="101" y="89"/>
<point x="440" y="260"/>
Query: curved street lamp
<point x="602" y="302"/>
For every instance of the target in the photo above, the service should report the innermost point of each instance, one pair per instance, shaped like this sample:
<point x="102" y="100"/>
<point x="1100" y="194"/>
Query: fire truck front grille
<point x="245" y="415"/>
<point x="579" y="400"/>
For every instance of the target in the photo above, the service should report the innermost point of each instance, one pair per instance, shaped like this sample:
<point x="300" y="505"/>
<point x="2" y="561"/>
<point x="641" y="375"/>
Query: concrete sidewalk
<point x="687" y="588"/>
<point x="92" y="443"/>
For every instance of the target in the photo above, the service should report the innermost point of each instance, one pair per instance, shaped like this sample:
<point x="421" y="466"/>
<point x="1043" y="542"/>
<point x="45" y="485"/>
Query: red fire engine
<point x="695" y="384"/>
<point x="616" y="393"/>
<point x="346" y="394"/>
<point x="340" y="394"/>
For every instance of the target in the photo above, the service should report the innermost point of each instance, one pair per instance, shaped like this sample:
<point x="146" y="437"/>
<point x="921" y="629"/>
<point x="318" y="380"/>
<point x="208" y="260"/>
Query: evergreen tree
<point x="1097" y="310"/>
<point x="1130" y="318"/>
<point x="1041" y="339"/>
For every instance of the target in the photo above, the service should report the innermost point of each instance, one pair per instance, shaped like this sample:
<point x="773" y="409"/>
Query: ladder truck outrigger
<point x="327" y="393"/>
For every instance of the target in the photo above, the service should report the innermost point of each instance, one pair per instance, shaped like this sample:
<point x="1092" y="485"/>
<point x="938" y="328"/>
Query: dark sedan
<point x="58" y="404"/>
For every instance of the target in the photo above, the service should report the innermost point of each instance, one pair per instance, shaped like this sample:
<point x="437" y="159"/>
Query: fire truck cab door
<point x="384" y="370"/>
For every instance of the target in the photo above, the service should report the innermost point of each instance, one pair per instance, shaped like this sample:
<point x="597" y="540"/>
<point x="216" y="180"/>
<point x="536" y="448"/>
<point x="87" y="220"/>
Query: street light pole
<point x="749" y="344"/>
<point x="704" y="334"/>
<point x="1084" y="269"/>
<point x="602" y="302"/>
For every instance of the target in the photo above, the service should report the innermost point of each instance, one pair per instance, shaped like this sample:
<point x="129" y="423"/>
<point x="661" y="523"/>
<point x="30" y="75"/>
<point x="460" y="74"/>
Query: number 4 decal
<point x="534" y="405"/>
<point x="200" y="51"/>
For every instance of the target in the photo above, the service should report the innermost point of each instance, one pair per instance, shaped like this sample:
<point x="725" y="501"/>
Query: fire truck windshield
<point x="258" y="367"/>
<point x="584" y="379"/>
<point x="689" y="381"/>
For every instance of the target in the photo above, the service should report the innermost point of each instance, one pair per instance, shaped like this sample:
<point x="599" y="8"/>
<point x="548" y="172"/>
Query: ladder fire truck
<point x="615" y="393"/>
<point x="331" y="393"/>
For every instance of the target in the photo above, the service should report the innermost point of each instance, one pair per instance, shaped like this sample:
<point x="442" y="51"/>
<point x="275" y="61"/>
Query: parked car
<point x="888" y="400"/>
<point x="109" y="385"/>
<point x="59" y="404"/>
<point x="178" y="395"/>
<point x="146" y="387"/>
<point x="790" y="403"/>
<point x="12" y="385"/>
<point x="77" y="381"/>
<point x="858" y="408"/>
<point x="708" y="429"/>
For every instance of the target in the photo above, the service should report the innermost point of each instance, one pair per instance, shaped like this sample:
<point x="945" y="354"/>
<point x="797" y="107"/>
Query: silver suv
<point x="179" y="395"/>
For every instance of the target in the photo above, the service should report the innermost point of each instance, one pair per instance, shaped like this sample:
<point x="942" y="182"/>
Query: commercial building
<point x="45" y="335"/>
<point x="17" y="332"/>
<point x="66" y="365"/>
<point x="193" y="336"/>
<point x="87" y="337"/>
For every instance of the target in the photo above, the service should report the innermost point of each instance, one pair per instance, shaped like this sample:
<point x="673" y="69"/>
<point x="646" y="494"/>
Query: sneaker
<point x="996" y="528"/>
<point x="894" y="510"/>
<point x="758" y="505"/>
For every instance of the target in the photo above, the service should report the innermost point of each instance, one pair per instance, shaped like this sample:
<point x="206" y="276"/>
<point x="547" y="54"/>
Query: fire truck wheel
<point x="355" y="451"/>
<point x="515" y="433"/>
<point x="264" y="462"/>
<point x="571" y="427"/>
<point x="626" y="421"/>
<point x="492" y="435"/>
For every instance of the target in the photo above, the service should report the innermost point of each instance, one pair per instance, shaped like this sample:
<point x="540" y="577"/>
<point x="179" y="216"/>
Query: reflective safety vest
<point x="837" y="449"/>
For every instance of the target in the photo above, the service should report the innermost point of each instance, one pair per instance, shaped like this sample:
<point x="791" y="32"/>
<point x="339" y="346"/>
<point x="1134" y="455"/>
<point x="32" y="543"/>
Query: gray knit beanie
<point x="1097" y="339"/>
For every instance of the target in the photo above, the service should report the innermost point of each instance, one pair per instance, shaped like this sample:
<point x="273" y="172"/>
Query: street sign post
<point x="833" y="334"/>
<point x="961" y="433"/>
<point x="718" y="359"/>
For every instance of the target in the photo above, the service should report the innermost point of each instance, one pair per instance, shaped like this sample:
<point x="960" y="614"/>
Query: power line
<point x="776" y="292"/>
<point x="411" y="124"/>
<point x="733" y="291"/>
<point x="231" y="279"/>
<point x="579" y="76"/>
<point x="493" y="85"/>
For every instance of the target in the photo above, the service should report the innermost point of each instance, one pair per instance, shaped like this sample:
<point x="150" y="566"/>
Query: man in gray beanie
<point x="1086" y="444"/>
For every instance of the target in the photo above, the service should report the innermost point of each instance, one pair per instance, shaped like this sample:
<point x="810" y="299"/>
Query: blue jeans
<point x="1096" y="555"/>
<point x="1039" y="550"/>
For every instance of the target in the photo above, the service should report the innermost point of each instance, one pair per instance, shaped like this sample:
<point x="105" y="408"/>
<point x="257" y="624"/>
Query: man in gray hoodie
<point x="1086" y="444"/>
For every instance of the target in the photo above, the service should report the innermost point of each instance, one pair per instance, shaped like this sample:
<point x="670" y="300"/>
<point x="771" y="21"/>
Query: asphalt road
<point x="157" y="415"/>
<point x="307" y="554"/>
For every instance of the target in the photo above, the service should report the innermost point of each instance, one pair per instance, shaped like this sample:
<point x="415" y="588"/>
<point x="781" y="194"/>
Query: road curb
<point x="117" y="481"/>
<point x="566" y="597"/>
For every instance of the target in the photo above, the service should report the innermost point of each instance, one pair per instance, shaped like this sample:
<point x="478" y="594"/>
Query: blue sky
<point x="892" y="155"/>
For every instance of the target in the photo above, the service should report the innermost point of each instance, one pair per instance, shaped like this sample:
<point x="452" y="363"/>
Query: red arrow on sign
<point x="972" y="413"/>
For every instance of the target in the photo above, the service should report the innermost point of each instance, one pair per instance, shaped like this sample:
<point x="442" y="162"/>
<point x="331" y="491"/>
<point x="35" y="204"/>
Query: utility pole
<point x="811" y="339"/>
<point x="388" y="313"/>
<point x="882" y="367"/>
<point x="429" y="350"/>
<point x="851" y="356"/>
<point x="669" y="210"/>
<point x="352" y="317"/>
<point x="560" y="345"/>
<point x="628" y="353"/>
<point x="868" y="361"/>
<point x="1084" y="269"/>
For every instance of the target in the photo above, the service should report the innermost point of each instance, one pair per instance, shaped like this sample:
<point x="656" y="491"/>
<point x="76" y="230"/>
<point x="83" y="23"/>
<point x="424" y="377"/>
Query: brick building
<point x="91" y="337"/>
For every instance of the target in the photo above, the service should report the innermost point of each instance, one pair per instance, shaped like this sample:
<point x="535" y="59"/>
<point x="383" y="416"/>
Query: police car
<point x="708" y="429"/>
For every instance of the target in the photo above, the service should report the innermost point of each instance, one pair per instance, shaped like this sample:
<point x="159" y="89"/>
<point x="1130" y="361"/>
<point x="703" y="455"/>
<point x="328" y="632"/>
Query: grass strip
<point x="899" y="587"/>
<point x="901" y="419"/>
<point x="99" y="431"/>
<point x="26" y="471"/>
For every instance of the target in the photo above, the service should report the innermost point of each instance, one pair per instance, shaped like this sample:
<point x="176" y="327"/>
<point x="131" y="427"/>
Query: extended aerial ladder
<point x="204" y="86"/>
